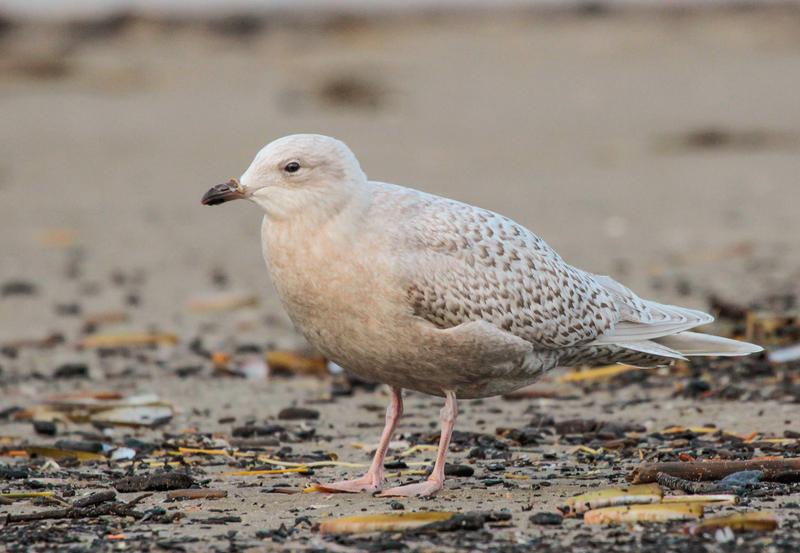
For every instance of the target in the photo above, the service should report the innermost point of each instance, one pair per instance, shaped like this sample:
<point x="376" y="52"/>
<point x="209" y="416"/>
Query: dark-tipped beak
<point x="222" y="193"/>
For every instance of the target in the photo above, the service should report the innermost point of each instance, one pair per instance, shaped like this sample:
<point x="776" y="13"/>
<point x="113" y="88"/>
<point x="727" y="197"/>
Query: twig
<point x="700" y="471"/>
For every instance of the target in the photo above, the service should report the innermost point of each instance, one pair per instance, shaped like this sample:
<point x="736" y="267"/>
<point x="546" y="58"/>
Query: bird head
<point x="306" y="174"/>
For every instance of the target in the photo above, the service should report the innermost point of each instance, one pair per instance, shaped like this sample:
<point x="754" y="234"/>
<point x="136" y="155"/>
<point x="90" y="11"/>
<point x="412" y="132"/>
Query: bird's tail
<point x="694" y="343"/>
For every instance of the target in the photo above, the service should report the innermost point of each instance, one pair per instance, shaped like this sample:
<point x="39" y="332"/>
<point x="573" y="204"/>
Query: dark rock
<point x="459" y="471"/>
<point x="160" y="481"/>
<point x="547" y="518"/>
<point x="72" y="370"/>
<point x="45" y="428"/>
<point x="9" y="473"/>
<point x="17" y="288"/>
<point x="298" y="413"/>
<point x="477" y="453"/>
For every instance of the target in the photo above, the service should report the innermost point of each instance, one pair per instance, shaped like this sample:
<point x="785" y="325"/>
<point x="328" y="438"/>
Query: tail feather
<point x="694" y="343"/>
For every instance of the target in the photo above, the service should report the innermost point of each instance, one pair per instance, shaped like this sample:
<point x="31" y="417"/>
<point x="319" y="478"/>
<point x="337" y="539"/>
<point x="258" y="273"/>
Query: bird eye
<point x="292" y="167"/>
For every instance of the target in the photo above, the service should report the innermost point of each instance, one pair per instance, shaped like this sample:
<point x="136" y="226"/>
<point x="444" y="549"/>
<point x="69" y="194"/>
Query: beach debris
<point x="785" y="355"/>
<point x="150" y="416"/>
<point x="17" y="288"/>
<point x="644" y="513"/>
<point x="390" y="522"/>
<point x="699" y="471"/>
<point x="196" y="493"/>
<point x="61" y="454"/>
<point x="44" y="428"/>
<point x="297" y="363"/>
<point x="298" y="413"/>
<point x="600" y="373"/>
<point x="156" y="482"/>
<point x="95" y="499"/>
<point x="116" y="508"/>
<point x="71" y="370"/>
<point x="713" y="500"/>
<point x="127" y="339"/>
<point x="759" y="521"/>
<point x="648" y="493"/>
<point x="91" y="322"/>
<point x="111" y="409"/>
<point x="546" y="518"/>
<point x="227" y="301"/>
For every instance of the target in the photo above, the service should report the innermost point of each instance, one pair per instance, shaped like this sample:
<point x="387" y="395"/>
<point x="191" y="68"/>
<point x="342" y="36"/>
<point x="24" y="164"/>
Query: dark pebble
<point x="477" y="453"/>
<point x="18" y="288"/>
<point x="454" y="524"/>
<point x="221" y="520"/>
<point x="460" y="471"/>
<point x="397" y="506"/>
<point x="492" y="482"/>
<point x="298" y="413"/>
<point x="694" y="388"/>
<point x="9" y="473"/>
<point x="547" y="518"/>
<point x="395" y="465"/>
<point x="72" y="370"/>
<point x="45" y="428"/>
<point x="160" y="481"/>
<point x="495" y="467"/>
<point x="190" y="370"/>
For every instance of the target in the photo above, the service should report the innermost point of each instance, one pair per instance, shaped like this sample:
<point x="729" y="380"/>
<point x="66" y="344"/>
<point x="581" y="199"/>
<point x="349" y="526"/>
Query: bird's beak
<point x="222" y="193"/>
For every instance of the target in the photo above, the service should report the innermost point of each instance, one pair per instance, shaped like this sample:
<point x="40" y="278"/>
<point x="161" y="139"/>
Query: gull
<point x="429" y="294"/>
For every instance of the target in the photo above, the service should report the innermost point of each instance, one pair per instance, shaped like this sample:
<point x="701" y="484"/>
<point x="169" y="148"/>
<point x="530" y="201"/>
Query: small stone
<point x="397" y="506"/>
<point x="546" y="518"/>
<point x="45" y="428"/>
<point x="18" y="288"/>
<point x="298" y="413"/>
<point x="459" y="471"/>
<point x="72" y="370"/>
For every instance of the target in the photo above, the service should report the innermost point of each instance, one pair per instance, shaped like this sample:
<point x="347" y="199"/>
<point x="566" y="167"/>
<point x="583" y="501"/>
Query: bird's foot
<point x="368" y="483"/>
<point x="414" y="490"/>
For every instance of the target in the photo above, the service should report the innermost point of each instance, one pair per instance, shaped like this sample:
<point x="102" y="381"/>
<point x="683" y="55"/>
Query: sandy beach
<point x="658" y="147"/>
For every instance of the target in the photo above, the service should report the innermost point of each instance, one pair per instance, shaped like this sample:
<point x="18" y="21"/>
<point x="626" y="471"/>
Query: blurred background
<point x="655" y="141"/>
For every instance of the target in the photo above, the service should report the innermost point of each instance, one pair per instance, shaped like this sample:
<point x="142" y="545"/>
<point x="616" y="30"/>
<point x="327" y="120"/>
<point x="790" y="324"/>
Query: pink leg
<point x="436" y="480"/>
<point x="372" y="481"/>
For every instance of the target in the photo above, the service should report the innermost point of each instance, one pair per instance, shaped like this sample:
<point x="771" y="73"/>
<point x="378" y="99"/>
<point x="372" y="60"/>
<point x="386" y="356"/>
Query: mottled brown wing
<point x="470" y="264"/>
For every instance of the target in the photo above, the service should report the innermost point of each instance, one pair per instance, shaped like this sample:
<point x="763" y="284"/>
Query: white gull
<point x="429" y="294"/>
